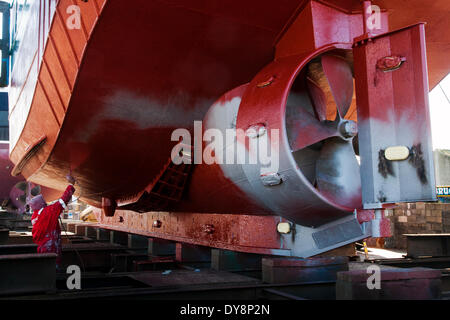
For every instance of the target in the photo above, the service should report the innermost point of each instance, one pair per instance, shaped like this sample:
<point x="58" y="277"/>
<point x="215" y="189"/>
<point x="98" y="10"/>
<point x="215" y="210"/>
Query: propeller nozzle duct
<point x="310" y="101"/>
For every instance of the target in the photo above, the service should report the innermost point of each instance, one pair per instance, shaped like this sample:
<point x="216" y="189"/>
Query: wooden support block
<point x="80" y="229"/>
<point x="225" y="260"/>
<point x="395" y="284"/>
<point x="161" y="247"/>
<point x="186" y="252"/>
<point x="295" y="270"/>
<point x="71" y="226"/>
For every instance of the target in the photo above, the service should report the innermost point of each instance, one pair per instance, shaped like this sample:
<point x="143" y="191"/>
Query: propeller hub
<point x="348" y="129"/>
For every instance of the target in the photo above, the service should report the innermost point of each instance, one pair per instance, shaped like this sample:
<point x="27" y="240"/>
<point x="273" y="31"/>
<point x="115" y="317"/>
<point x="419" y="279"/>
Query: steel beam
<point x="4" y="236"/>
<point x="103" y="234"/>
<point x="123" y="262"/>
<point x="80" y="229"/>
<point x="434" y="245"/>
<point x="289" y="270"/>
<point x="18" y="238"/>
<point x="186" y="252"/>
<point x="161" y="247"/>
<point x="90" y="256"/>
<point x="119" y="237"/>
<point x="137" y="242"/>
<point x="395" y="284"/>
<point x="27" y="273"/>
<point x="91" y="232"/>
<point x="225" y="260"/>
<point x="155" y="263"/>
<point x="18" y="249"/>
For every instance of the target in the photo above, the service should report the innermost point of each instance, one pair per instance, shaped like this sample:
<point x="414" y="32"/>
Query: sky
<point x="440" y="114"/>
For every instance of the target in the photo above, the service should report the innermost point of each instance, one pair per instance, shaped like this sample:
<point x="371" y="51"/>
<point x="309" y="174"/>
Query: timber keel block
<point x="80" y="229"/>
<point x="27" y="273"/>
<point x="71" y="227"/>
<point x="294" y="270"/>
<point x="395" y="284"/>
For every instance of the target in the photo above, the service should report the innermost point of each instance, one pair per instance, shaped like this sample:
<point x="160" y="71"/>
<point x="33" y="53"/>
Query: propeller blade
<point x="22" y="186"/>
<point x="337" y="173"/>
<point x="318" y="99"/>
<point x="340" y="79"/>
<point x="35" y="191"/>
<point x="308" y="130"/>
<point x="23" y="199"/>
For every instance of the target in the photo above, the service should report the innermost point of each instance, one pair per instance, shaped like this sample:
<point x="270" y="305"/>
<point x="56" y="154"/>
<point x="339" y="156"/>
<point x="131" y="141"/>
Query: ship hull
<point x="101" y="101"/>
<point x="107" y="97"/>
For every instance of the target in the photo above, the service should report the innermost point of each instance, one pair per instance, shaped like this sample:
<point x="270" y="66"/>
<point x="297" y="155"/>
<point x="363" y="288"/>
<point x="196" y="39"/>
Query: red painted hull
<point x="124" y="87"/>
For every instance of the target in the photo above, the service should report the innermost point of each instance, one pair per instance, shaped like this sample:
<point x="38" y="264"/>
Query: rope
<point x="76" y="251"/>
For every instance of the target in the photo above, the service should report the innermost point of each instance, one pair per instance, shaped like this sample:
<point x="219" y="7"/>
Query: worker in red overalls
<point x="46" y="230"/>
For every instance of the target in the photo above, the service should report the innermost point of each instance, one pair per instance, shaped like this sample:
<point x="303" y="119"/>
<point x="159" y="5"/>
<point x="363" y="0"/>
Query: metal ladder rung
<point x="170" y="185"/>
<point x="162" y="196"/>
<point x="178" y="172"/>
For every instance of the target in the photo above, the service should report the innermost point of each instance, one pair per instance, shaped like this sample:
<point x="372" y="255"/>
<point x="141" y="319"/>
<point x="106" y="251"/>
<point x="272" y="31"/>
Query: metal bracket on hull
<point x="393" y="118"/>
<point x="242" y="233"/>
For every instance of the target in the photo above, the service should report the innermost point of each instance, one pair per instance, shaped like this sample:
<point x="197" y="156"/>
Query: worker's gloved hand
<point x="70" y="179"/>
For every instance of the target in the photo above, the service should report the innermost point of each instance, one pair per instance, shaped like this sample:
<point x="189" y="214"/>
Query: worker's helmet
<point x="37" y="203"/>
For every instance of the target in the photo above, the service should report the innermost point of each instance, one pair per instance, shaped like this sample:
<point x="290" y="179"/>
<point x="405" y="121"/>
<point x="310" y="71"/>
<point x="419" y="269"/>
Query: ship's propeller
<point x="319" y="124"/>
<point x="337" y="173"/>
<point x="338" y="74"/>
<point x="22" y="192"/>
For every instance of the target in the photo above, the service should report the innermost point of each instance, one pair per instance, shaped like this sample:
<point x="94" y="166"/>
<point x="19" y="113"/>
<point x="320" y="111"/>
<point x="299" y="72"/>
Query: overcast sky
<point x="440" y="114"/>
